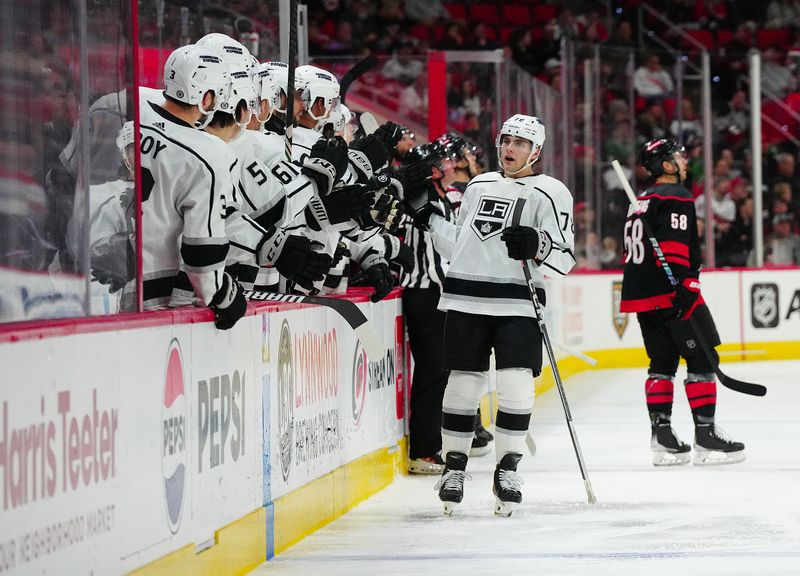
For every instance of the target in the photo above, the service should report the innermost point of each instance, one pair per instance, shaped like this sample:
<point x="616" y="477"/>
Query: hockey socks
<point x="515" y="397"/>
<point x="459" y="410"/>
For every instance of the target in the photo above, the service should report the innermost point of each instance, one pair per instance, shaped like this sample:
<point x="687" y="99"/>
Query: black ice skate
<point x="668" y="450"/>
<point x="507" y="485"/>
<point x="451" y="484"/>
<point x="712" y="446"/>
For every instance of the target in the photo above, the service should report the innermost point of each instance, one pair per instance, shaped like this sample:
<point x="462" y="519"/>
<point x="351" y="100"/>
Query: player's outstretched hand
<point x="526" y="243"/>
<point x="687" y="294"/>
<point x="386" y="212"/>
<point x="390" y="134"/>
<point x="368" y="156"/>
<point x="334" y="151"/>
<point x="421" y="217"/>
<point x="113" y="261"/>
<point x="228" y="304"/>
<point x="380" y="278"/>
<point x="348" y="203"/>
<point x="299" y="262"/>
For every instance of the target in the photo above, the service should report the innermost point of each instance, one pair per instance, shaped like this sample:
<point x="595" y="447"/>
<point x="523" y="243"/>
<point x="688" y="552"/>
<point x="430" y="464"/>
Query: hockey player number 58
<point x="634" y="248"/>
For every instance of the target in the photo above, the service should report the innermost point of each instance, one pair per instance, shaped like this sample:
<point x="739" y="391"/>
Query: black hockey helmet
<point x="654" y="152"/>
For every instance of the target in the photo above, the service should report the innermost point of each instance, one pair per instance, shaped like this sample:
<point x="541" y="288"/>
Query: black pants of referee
<point x="425" y="326"/>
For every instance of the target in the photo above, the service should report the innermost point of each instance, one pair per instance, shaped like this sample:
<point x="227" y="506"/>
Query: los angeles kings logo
<point x="490" y="219"/>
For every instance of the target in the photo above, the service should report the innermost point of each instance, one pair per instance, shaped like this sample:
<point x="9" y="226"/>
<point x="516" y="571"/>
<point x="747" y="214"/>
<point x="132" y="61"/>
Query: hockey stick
<point x="292" y="56"/>
<point x="727" y="381"/>
<point x="372" y="343"/>
<point x="537" y="308"/>
<point x="575" y="352"/>
<point x="359" y="69"/>
<point x="368" y="123"/>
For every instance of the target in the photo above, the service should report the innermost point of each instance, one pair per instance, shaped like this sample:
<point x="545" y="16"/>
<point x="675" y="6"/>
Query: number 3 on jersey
<point x="634" y="247"/>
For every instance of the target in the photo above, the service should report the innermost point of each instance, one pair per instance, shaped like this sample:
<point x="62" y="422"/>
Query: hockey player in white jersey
<point x="186" y="185"/>
<point x="487" y="302"/>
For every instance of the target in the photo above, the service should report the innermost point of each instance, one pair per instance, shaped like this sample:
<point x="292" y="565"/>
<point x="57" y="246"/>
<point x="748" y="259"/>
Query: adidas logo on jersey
<point x="159" y="125"/>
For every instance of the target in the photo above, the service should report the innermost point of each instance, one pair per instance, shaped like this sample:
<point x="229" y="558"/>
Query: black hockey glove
<point x="326" y="164"/>
<point x="380" y="278"/>
<point x="342" y="251"/>
<point x="348" y="202"/>
<point x="526" y="243"/>
<point x="687" y="294"/>
<point x="416" y="182"/>
<point x="421" y="218"/>
<point x="385" y="213"/>
<point x="368" y="156"/>
<point x="300" y="263"/>
<point x="228" y="304"/>
<point x="390" y="134"/>
<point x="399" y="253"/>
<point x="113" y="261"/>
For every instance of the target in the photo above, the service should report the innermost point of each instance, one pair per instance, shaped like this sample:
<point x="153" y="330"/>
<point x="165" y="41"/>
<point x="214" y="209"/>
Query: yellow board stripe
<point x="238" y="548"/>
<point x="314" y="505"/>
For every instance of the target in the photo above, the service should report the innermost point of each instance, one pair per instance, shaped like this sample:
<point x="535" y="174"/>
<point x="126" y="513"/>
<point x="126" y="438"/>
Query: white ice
<point x="740" y="519"/>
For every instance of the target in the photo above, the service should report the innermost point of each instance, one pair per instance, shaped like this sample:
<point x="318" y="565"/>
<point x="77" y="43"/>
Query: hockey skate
<point x="507" y="487"/>
<point x="451" y="484"/>
<point x="426" y="465"/>
<point x="712" y="446"/>
<point x="482" y="439"/>
<point x="667" y="448"/>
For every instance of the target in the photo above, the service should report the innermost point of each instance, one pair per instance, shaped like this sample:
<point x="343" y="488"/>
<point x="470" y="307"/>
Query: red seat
<point x="724" y="37"/>
<point x="703" y="37"/>
<point x="781" y="37"/>
<point x="506" y="32"/>
<point x="438" y="33"/>
<point x="486" y="13"/>
<point x="516" y="15"/>
<point x="420" y="32"/>
<point x="544" y="13"/>
<point x="457" y="11"/>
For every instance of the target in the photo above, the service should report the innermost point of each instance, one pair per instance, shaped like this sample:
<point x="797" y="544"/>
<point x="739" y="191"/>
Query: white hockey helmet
<point x="280" y="72"/>
<point x="193" y="70"/>
<point x="125" y="138"/>
<point x="240" y="63"/>
<point x="267" y="88"/>
<point x="315" y="84"/>
<point x="527" y="127"/>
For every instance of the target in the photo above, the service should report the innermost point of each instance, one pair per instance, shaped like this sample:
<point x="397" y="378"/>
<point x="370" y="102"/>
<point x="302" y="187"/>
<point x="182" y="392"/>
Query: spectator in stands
<point x="722" y="205"/>
<point x="342" y="43"/>
<point x="781" y="13"/>
<point x="567" y="25"/>
<point x="609" y="255"/>
<point x="736" y="244"/>
<point x="364" y="22"/>
<point x="623" y="35"/>
<point x="734" y="126"/>
<point x="783" y="247"/>
<point x="712" y="14"/>
<point x="652" y="123"/>
<point x="403" y="66"/>
<point x="689" y="127"/>
<point x="594" y="29"/>
<point x="522" y="49"/>
<point x="390" y="24"/>
<point x="453" y="37"/>
<point x="414" y="98"/>
<point x="549" y="46"/>
<point x="426" y="11"/>
<point x="786" y="171"/>
<point x="479" y="39"/>
<point x="651" y="81"/>
<point x="776" y="79"/>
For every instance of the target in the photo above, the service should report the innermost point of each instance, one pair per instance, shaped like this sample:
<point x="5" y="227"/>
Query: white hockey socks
<point x="459" y="410"/>
<point x="515" y="394"/>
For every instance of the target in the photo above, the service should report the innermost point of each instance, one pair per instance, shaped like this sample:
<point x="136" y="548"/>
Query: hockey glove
<point x="349" y="202"/>
<point x="113" y="261"/>
<point x="300" y="263"/>
<point x="326" y="164"/>
<point x="526" y="243"/>
<point x="687" y="295"/>
<point x="385" y="213"/>
<point x="421" y="218"/>
<point x="390" y="134"/>
<point x="380" y="278"/>
<point x="228" y="304"/>
<point x="342" y="251"/>
<point x="368" y="156"/>
<point x="416" y="182"/>
<point x="399" y="253"/>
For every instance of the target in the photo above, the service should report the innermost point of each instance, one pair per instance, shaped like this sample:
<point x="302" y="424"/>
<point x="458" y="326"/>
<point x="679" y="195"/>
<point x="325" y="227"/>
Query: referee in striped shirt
<point x="425" y="323"/>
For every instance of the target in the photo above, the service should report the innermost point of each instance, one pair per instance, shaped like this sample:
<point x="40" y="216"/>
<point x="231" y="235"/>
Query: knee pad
<point x="464" y="391"/>
<point x="699" y="364"/>
<point x="665" y="365"/>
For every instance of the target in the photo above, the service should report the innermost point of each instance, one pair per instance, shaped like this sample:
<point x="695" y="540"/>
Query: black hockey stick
<point x="725" y="380"/>
<point x="359" y="69"/>
<point x="537" y="308"/>
<point x="372" y="343"/>
<point x="292" y="57"/>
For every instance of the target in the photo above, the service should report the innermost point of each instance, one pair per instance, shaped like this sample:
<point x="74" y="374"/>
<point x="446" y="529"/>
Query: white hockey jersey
<point x="482" y="279"/>
<point x="186" y="187"/>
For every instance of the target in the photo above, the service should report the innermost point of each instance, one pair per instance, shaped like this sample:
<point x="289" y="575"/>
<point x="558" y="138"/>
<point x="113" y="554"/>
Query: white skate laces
<point x="452" y="480"/>
<point x="510" y="480"/>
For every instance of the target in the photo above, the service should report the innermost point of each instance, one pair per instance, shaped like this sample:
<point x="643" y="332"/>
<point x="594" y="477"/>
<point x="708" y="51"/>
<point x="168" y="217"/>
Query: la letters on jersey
<point x="490" y="218"/>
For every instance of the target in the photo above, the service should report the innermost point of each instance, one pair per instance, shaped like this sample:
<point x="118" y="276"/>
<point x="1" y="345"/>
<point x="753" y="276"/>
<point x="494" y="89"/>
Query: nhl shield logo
<point x="490" y="219"/>
<point x="764" y="305"/>
<point x="620" y="319"/>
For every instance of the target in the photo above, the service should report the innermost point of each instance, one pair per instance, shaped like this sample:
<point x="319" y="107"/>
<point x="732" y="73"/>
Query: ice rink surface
<point x="741" y="519"/>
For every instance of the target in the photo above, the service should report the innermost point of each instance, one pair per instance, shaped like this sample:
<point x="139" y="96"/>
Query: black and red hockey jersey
<point x="670" y="213"/>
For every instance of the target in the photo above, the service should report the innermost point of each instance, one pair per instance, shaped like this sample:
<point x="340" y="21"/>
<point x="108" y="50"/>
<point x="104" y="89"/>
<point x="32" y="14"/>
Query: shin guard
<point x="515" y="395"/>
<point x="459" y="410"/>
